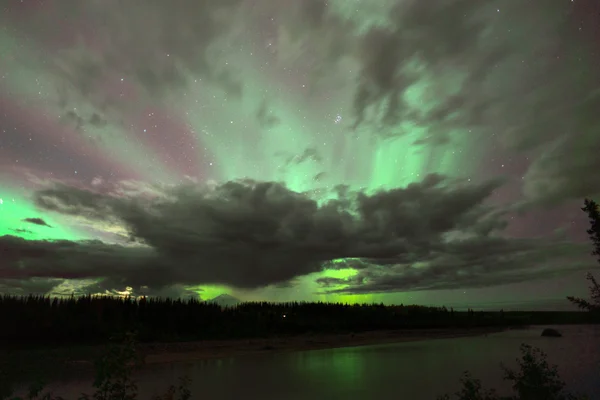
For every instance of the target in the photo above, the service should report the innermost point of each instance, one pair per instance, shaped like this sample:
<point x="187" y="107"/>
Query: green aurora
<point x="290" y="123"/>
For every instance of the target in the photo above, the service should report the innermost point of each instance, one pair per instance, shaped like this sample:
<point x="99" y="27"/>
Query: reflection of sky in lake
<point x="412" y="370"/>
<point x="344" y="368"/>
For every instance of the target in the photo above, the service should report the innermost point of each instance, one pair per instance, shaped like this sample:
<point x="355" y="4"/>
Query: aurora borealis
<point x="395" y="151"/>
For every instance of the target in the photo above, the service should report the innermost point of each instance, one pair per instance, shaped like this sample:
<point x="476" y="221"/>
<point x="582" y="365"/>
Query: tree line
<point x="534" y="379"/>
<point x="43" y="320"/>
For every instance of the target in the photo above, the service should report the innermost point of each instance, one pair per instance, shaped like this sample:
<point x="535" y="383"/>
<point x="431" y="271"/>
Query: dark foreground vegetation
<point x="44" y="321"/>
<point x="92" y="319"/>
<point x="536" y="379"/>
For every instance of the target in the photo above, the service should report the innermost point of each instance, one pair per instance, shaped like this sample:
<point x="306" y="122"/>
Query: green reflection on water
<point x="344" y="367"/>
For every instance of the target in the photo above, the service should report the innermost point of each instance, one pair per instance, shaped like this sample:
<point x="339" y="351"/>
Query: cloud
<point x="432" y="63"/>
<point x="309" y="154"/>
<point x="79" y="122"/>
<point x="57" y="287"/>
<point x="157" y="47"/>
<point x="435" y="234"/>
<point x="23" y="231"/>
<point x="265" y="116"/>
<point x="24" y="287"/>
<point x="567" y="169"/>
<point x="115" y="287"/>
<point x="468" y="68"/>
<point x="421" y="62"/>
<point x="247" y="234"/>
<point x="456" y="68"/>
<point x="447" y="68"/>
<point x="37" y="221"/>
<point x="463" y="264"/>
<point x="97" y="121"/>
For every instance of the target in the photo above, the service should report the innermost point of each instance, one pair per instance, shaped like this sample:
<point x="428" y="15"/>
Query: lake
<point x="413" y="370"/>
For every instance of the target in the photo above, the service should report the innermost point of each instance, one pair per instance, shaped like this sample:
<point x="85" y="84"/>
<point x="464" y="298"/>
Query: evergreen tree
<point x="593" y="212"/>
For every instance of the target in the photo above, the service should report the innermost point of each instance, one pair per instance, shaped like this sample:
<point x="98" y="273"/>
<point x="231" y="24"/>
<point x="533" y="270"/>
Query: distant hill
<point x="225" y="300"/>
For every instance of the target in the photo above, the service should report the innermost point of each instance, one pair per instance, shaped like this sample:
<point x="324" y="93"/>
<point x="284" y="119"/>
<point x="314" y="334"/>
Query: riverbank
<point x="191" y="351"/>
<point x="60" y="363"/>
<point x="301" y="371"/>
<point x="156" y="353"/>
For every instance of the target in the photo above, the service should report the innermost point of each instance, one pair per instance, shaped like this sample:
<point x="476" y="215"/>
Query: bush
<point x="593" y="211"/>
<point x="534" y="380"/>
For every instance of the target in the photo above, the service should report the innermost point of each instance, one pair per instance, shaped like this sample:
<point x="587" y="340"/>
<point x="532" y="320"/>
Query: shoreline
<point x="81" y="358"/>
<point x="161" y="353"/>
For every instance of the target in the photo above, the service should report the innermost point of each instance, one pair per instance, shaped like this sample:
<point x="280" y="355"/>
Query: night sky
<point x="397" y="151"/>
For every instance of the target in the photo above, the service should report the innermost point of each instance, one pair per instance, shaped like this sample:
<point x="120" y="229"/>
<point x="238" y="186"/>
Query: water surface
<point x="414" y="370"/>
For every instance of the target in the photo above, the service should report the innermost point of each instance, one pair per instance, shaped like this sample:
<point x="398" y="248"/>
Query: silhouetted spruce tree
<point x="593" y="212"/>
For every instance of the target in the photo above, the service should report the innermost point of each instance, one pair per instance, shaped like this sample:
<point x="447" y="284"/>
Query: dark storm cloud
<point x="248" y="234"/>
<point x="68" y="260"/>
<point x="37" y="221"/>
<point x="471" y="263"/>
<point x="23" y="287"/>
<point x="23" y="231"/>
